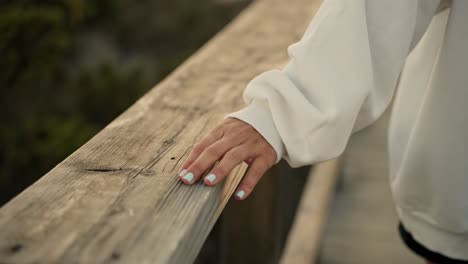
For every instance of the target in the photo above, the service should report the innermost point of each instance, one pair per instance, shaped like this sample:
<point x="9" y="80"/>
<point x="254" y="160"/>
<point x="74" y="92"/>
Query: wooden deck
<point x="362" y="226"/>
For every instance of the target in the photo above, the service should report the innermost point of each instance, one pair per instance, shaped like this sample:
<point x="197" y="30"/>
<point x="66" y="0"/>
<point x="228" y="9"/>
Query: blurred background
<point x="69" y="67"/>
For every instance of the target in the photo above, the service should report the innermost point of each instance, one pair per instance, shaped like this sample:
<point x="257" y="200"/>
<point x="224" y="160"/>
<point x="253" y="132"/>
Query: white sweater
<point x="340" y="78"/>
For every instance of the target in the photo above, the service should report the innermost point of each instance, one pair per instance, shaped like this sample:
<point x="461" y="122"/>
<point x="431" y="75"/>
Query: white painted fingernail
<point x="189" y="177"/>
<point x="240" y="194"/>
<point x="182" y="173"/>
<point x="211" y="178"/>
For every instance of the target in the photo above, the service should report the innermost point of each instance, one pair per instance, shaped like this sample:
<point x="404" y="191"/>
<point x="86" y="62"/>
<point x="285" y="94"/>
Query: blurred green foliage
<point x="68" y="67"/>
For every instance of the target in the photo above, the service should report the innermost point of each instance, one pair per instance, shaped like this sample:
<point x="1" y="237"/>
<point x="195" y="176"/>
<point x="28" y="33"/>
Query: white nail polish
<point x="189" y="177"/>
<point x="211" y="178"/>
<point x="240" y="194"/>
<point x="182" y="173"/>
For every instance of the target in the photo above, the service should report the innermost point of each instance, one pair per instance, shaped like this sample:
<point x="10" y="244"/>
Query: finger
<point x="229" y="161"/>
<point x="198" y="149"/>
<point x="207" y="158"/>
<point x="255" y="172"/>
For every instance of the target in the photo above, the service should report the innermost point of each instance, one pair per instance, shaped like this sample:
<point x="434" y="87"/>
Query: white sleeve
<point x="340" y="77"/>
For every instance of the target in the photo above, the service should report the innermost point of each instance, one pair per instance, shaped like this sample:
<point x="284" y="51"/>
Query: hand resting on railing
<point x="231" y="142"/>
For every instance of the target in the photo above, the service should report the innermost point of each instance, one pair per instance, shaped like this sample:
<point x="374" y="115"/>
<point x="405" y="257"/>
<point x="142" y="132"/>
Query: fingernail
<point x="182" y="173"/>
<point x="189" y="177"/>
<point x="211" y="178"/>
<point x="240" y="194"/>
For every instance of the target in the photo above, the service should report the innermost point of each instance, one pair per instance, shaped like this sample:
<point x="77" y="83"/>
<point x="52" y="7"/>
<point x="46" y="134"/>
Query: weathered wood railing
<point x="117" y="198"/>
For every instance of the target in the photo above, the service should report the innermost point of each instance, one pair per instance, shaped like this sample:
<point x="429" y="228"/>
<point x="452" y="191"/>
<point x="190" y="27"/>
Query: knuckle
<point x="270" y="157"/>
<point x="253" y="176"/>
<point x="262" y="164"/>
<point x="256" y="173"/>
<point x="213" y="151"/>
<point x="267" y="155"/>
<point x="191" y="157"/>
<point x="216" y="133"/>
<point x="247" y="130"/>
<point x="257" y="140"/>
<point x="220" y="171"/>
<point x="235" y="155"/>
<point x="239" y="130"/>
<point x="198" y="149"/>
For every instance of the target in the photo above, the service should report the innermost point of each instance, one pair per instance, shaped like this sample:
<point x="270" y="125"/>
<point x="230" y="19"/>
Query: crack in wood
<point x="118" y="171"/>
<point x="15" y="248"/>
<point x="103" y="169"/>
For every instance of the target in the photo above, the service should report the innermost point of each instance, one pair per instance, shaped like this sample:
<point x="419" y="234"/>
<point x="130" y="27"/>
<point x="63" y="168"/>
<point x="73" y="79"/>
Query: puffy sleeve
<point x="340" y="77"/>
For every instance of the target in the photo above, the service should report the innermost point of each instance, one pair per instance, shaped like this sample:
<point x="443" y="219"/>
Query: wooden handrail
<point x="117" y="198"/>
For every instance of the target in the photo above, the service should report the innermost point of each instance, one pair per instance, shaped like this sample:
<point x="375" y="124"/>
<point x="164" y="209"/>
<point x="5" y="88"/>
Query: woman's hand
<point x="230" y="143"/>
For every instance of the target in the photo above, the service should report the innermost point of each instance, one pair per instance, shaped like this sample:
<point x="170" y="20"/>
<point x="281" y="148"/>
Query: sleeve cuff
<point x="259" y="117"/>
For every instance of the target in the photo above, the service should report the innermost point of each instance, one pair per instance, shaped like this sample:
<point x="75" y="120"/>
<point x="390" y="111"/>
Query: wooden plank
<point x="254" y="231"/>
<point x="250" y="228"/>
<point x="117" y="199"/>
<point x="304" y="239"/>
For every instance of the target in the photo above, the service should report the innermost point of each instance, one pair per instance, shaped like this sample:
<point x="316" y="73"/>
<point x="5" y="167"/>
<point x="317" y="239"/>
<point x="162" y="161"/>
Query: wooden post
<point x="254" y="230"/>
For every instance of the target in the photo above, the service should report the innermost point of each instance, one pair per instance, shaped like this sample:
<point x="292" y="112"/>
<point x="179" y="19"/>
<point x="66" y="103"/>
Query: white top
<point x="340" y="78"/>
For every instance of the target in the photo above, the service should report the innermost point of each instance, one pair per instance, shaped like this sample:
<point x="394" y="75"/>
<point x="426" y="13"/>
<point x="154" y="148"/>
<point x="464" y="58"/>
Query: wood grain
<point x="117" y="199"/>
<point x="303" y="244"/>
